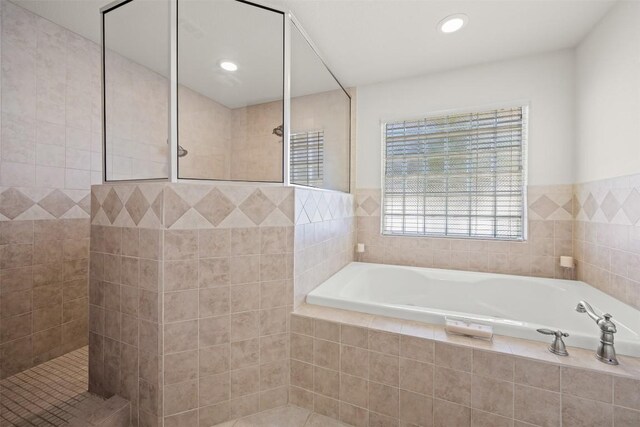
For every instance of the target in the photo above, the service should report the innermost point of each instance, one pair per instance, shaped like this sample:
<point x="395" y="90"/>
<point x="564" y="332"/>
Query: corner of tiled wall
<point x="607" y="236"/>
<point x="230" y="257"/>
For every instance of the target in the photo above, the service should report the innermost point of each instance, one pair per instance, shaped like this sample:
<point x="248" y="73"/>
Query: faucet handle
<point x="557" y="346"/>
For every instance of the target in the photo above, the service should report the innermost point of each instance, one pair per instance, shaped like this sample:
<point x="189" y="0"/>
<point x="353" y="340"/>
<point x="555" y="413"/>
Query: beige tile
<point x="245" y="381"/>
<point x="180" y="306"/>
<point x="244" y="269"/>
<point x="326" y="406"/>
<point x="214" y="389"/>
<point x="578" y="412"/>
<point x="301" y="398"/>
<point x="536" y="406"/>
<point x="180" y="367"/>
<point x="274" y="347"/>
<point x="301" y="325"/>
<point x="189" y="418"/>
<point x="273" y="321"/>
<point x="623" y="417"/>
<point x="446" y="414"/>
<point x="326" y="382"/>
<point x="352" y="415"/>
<point x="379" y="420"/>
<point x="485" y="419"/>
<point x="180" y="244"/>
<point x="326" y="354"/>
<point x="317" y="420"/>
<point x="244" y="326"/>
<point x="301" y="375"/>
<point x="213" y="272"/>
<point x="537" y="374"/>
<point x="274" y="398"/>
<point x="244" y="297"/>
<point x="274" y="294"/>
<point x="214" y="302"/>
<point x="244" y="353"/>
<point x="354" y="390"/>
<point x="417" y="348"/>
<point x="214" y="414"/>
<point x="416" y="376"/>
<point x="180" y="397"/>
<point x="274" y="375"/>
<point x="454" y="357"/>
<point x="181" y="336"/>
<point x="384" y="368"/>
<point x="627" y="392"/>
<point x="492" y="395"/>
<point x="384" y="399"/>
<point x="587" y="384"/>
<point x="245" y="241"/>
<point x="452" y="385"/>
<point x="354" y="336"/>
<point x="214" y="331"/>
<point x="180" y="275"/>
<point x="273" y="267"/>
<point x="415" y="408"/>
<point x="214" y="360"/>
<point x="354" y="361"/>
<point x="327" y="330"/>
<point x="494" y="365"/>
<point x="384" y="342"/>
<point x="213" y="243"/>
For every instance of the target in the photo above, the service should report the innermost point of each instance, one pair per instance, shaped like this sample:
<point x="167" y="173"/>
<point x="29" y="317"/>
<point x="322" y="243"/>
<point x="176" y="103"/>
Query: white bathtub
<point x="514" y="305"/>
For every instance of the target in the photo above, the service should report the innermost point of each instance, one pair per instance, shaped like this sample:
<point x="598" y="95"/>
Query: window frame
<point x="526" y="108"/>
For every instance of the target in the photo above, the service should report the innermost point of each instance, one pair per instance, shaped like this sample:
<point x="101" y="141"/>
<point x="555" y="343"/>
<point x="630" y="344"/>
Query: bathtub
<point x="513" y="305"/>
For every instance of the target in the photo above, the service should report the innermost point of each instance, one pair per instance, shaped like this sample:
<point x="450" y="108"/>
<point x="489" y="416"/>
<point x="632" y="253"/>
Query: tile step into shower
<point x="96" y="412"/>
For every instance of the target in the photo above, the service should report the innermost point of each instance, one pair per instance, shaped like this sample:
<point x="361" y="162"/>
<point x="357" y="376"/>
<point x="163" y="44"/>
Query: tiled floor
<point x="47" y="394"/>
<point x="286" y="416"/>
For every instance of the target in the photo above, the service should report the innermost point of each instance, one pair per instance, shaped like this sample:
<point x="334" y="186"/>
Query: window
<point x="307" y="158"/>
<point x="458" y="175"/>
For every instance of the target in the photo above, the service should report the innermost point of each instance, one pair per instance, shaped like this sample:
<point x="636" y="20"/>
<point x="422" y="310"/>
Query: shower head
<point x="181" y="151"/>
<point x="278" y="131"/>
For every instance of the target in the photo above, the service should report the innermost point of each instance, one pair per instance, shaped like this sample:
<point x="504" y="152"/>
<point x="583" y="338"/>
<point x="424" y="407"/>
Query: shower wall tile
<point x="207" y="277"/>
<point x="124" y="324"/>
<point x="43" y="291"/>
<point x="550" y="230"/>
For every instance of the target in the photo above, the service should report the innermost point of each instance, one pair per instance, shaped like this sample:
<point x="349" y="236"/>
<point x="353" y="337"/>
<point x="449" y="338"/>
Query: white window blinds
<point x="458" y="175"/>
<point x="307" y="158"/>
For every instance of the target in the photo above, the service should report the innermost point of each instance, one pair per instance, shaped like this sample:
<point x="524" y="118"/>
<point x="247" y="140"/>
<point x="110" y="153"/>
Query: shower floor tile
<point x="47" y="394"/>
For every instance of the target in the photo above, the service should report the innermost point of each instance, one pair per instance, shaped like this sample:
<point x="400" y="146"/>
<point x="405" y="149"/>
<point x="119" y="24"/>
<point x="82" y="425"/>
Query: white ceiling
<point x="363" y="41"/>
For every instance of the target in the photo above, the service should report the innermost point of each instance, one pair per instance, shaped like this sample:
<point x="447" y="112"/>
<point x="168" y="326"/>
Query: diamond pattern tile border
<point x="38" y="203"/>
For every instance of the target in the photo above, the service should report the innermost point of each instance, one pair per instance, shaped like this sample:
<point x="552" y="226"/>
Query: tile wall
<point x="607" y="236"/>
<point x="213" y="301"/>
<point x="49" y="126"/>
<point x="550" y="224"/>
<point x="43" y="291"/>
<point x="372" y="371"/>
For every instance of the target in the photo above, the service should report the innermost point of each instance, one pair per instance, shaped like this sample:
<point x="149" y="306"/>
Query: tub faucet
<point x="606" y="353"/>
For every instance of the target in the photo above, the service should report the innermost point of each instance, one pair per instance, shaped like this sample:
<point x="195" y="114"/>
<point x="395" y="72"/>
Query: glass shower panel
<point x="230" y="91"/>
<point x="320" y="121"/>
<point x="136" y="90"/>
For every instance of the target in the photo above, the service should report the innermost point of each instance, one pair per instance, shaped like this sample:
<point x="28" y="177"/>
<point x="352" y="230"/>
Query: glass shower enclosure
<point x="226" y="90"/>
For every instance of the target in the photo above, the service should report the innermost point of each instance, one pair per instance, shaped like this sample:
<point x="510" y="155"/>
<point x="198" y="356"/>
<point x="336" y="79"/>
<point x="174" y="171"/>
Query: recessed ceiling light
<point x="228" y="66"/>
<point x="453" y="23"/>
